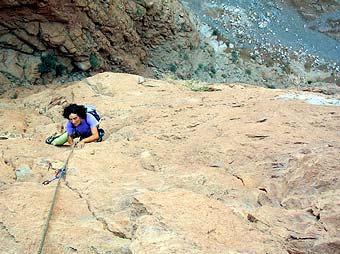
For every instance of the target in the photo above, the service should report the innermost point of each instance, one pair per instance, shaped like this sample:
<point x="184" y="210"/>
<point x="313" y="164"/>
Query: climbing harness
<point x="60" y="173"/>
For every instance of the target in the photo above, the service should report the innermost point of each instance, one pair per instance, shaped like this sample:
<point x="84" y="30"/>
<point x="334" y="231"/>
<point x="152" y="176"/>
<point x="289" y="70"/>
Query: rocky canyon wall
<point x="66" y="40"/>
<point x="43" y="39"/>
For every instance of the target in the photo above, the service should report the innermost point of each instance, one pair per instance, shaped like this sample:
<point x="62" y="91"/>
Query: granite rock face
<point x="220" y="168"/>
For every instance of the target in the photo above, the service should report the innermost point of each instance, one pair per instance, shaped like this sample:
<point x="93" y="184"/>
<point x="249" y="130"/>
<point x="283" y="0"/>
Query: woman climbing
<point x="83" y="122"/>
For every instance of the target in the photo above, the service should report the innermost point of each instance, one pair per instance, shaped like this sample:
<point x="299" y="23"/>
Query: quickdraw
<point x="59" y="173"/>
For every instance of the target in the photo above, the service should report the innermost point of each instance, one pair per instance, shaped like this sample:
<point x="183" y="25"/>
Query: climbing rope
<point x="60" y="173"/>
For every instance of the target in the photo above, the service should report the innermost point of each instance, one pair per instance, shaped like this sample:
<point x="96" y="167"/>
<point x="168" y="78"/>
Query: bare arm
<point x="93" y="137"/>
<point x="69" y="139"/>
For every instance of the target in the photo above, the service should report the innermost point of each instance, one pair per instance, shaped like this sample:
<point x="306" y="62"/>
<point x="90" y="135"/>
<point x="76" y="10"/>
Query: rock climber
<point x="82" y="122"/>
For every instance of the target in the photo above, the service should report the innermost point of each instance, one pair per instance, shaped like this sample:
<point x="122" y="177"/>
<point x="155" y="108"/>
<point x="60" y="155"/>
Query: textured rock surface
<point x="266" y="43"/>
<point x="234" y="170"/>
<point x="68" y="40"/>
<point x="324" y="15"/>
<point x="83" y="34"/>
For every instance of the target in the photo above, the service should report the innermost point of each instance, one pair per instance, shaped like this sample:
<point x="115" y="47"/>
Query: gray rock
<point x="84" y="66"/>
<point x="21" y="172"/>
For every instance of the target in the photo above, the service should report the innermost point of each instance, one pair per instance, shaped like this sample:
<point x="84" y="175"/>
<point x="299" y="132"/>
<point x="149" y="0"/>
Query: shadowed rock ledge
<point x="44" y="39"/>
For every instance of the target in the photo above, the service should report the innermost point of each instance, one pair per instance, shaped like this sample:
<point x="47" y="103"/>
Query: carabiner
<point x="46" y="182"/>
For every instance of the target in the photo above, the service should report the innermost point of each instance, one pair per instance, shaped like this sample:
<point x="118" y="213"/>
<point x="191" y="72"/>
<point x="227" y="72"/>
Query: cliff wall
<point x="50" y="38"/>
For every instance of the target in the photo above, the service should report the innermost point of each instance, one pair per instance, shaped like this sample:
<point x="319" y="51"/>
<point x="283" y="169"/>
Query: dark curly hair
<point x="80" y="110"/>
